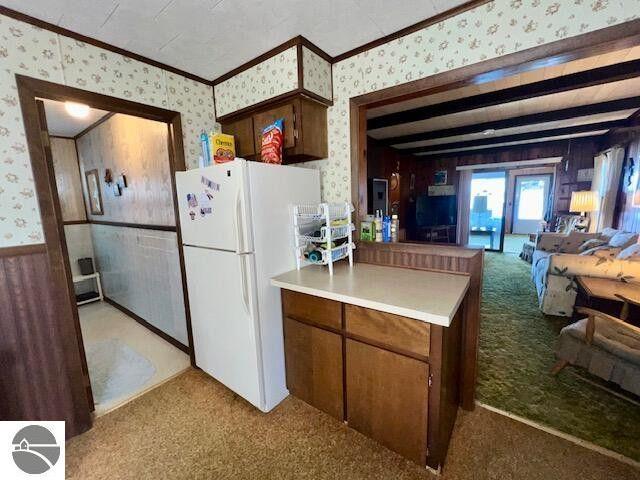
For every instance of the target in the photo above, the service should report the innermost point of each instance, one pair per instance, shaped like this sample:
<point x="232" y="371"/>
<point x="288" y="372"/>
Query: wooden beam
<point x="542" y="117"/>
<point x="490" y="150"/>
<point x="555" y="132"/>
<point x="587" y="78"/>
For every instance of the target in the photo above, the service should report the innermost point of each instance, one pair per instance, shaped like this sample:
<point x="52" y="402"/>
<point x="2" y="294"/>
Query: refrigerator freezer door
<point x="214" y="209"/>
<point x="224" y="319"/>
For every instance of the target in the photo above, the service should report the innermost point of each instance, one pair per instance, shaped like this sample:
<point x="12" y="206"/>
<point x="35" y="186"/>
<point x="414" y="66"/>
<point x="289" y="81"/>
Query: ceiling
<point x="600" y="93"/>
<point x="61" y="124"/>
<point x="202" y="36"/>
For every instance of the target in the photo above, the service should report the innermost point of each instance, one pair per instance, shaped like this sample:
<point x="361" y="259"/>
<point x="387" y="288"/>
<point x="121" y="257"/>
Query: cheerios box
<point x="223" y="147"/>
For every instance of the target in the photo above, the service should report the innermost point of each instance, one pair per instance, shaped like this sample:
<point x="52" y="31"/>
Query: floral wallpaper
<point x="491" y="30"/>
<point x="39" y="53"/>
<point x="273" y="77"/>
<point x="316" y="73"/>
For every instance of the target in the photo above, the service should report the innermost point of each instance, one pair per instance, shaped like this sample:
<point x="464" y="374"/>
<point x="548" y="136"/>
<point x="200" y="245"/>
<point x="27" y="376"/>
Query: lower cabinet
<point x="313" y="360"/>
<point x="387" y="398"/>
<point x="400" y="376"/>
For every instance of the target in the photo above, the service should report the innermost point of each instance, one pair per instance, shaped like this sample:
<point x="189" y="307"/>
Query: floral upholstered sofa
<point x="559" y="258"/>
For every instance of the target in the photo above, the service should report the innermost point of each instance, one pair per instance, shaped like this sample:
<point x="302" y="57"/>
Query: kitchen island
<point x="379" y="348"/>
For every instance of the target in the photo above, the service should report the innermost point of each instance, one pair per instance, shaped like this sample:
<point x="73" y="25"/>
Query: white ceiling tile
<point x="60" y="123"/>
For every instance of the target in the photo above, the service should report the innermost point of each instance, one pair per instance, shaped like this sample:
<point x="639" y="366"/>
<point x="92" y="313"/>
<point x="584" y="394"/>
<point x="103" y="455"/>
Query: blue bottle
<point x="386" y="228"/>
<point x="206" y="150"/>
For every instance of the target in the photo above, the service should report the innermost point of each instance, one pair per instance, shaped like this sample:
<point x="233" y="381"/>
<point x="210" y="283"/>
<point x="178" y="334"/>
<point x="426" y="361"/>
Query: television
<point x="436" y="210"/>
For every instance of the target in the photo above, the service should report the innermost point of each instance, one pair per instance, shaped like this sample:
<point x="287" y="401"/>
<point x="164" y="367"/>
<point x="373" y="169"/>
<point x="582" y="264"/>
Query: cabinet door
<point x="261" y="120"/>
<point x="313" y="359"/>
<point x="242" y="130"/>
<point x="387" y="398"/>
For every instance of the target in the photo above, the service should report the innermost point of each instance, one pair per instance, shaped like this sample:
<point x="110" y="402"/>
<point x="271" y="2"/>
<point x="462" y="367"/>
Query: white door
<point x="531" y="202"/>
<point x="213" y="207"/>
<point x="224" y="319"/>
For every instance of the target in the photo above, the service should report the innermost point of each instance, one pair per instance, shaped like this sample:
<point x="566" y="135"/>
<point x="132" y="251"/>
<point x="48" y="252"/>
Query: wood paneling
<point x="139" y="148"/>
<point x="467" y="261"/>
<point x="39" y="358"/>
<point x="312" y="309"/>
<point x="65" y="165"/>
<point x="387" y="398"/>
<point x="389" y="330"/>
<point x="313" y="359"/>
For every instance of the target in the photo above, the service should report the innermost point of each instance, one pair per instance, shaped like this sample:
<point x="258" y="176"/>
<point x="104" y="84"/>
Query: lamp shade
<point x="584" y="201"/>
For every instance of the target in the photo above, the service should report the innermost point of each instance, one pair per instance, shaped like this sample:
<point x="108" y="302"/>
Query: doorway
<point x="486" y="218"/>
<point x="32" y="92"/>
<point x="532" y="202"/>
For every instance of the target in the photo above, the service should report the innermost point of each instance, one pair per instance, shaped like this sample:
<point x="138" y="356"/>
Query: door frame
<point x="515" y="192"/>
<point x="589" y="44"/>
<point x="29" y="91"/>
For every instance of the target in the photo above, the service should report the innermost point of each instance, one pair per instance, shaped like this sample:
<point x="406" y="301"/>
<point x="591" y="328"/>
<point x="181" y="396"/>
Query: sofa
<point x="559" y="258"/>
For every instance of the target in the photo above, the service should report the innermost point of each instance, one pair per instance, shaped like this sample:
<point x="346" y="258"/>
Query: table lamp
<point x="582" y="202"/>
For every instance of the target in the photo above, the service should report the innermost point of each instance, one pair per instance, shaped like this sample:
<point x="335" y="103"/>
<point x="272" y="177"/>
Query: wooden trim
<point x="77" y="404"/>
<point x="142" y="226"/>
<point x="410" y="29"/>
<point x="300" y="66"/>
<point x="230" y="117"/>
<point x="148" y="325"/>
<point x="491" y="150"/>
<point x="94" y="125"/>
<point x="62" y="137"/>
<point x="534" y="118"/>
<point x="537" y="134"/>
<point x="260" y="58"/>
<point x="98" y="43"/>
<point x="564" y="83"/>
<point x="506" y="165"/>
<point x="23" y="250"/>
<point x="75" y="222"/>
<point x="315" y="49"/>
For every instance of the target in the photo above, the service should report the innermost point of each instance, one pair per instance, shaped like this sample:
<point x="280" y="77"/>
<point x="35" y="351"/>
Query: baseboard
<point x="564" y="436"/>
<point x="149" y="326"/>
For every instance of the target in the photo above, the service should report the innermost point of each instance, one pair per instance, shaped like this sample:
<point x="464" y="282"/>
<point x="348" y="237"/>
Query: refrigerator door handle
<point x="244" y="284"/>
<point x="238" y="224"/>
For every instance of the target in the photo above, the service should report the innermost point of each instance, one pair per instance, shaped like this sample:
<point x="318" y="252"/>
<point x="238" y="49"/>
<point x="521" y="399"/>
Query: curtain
<point x="607" y="168"/>
<point x="464" y="206"/>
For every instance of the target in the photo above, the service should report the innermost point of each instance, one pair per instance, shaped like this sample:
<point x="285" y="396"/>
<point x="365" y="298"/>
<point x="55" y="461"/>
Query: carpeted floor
<point x="194" y="428"/>
<point x="516" y="353"/>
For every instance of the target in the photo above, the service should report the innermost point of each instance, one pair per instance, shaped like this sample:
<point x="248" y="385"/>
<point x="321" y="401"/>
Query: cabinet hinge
<point x="430" y="381"/>
<point x="295" y="133"/>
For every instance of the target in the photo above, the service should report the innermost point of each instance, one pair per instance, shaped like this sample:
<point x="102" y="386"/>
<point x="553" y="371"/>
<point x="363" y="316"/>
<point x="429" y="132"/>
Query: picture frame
<point x="93" y="192"/>
<point x="440" y="177"/>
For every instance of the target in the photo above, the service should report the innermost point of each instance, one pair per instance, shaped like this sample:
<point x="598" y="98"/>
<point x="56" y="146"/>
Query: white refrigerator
<point x="237" y="233"/>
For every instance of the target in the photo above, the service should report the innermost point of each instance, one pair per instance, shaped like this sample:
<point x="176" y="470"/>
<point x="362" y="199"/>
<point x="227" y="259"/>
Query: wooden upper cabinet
<point x="242" y="131"/>
<point x="305" y="129"/>
<point x="263" y="119"/>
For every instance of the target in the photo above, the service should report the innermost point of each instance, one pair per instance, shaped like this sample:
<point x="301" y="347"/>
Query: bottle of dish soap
<point x="395" y="227"/>
<point x="206" y="149"/>
<point x="378" y="224"/>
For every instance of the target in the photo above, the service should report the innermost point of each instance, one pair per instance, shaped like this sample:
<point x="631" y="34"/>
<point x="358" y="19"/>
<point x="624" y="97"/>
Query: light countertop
<point x="432" y="297"/>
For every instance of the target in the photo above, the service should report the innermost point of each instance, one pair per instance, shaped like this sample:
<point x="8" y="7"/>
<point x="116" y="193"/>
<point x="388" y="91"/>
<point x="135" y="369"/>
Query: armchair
<point x="604" y="345"/>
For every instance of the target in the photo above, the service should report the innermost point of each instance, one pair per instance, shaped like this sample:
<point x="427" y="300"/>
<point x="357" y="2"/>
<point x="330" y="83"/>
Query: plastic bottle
<point x="206" y="150"/>
<point x="395" y="227"/>
<point x="378" y="223"/>
<point x="386" y="228"/>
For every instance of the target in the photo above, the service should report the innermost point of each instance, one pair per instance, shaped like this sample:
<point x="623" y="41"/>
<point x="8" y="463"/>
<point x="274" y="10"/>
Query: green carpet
<point x="516" y="353"/>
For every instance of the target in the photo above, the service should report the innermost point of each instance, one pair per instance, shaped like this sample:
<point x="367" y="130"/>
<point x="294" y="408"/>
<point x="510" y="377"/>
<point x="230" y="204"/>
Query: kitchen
<point x="321" y="343"/>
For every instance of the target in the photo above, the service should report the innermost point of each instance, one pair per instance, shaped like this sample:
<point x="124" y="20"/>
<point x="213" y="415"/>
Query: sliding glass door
<point x="486" y="217"/>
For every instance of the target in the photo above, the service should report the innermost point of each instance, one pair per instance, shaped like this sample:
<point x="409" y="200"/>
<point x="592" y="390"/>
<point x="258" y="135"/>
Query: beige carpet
<point x="194" y="428"/>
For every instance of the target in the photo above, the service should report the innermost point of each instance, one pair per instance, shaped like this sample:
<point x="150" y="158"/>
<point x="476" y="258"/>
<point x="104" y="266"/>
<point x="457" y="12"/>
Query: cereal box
<point x="223" y="148"/>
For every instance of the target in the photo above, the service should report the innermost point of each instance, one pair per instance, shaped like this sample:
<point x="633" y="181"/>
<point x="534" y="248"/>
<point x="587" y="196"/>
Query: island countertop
<point x="428" y="296"/>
